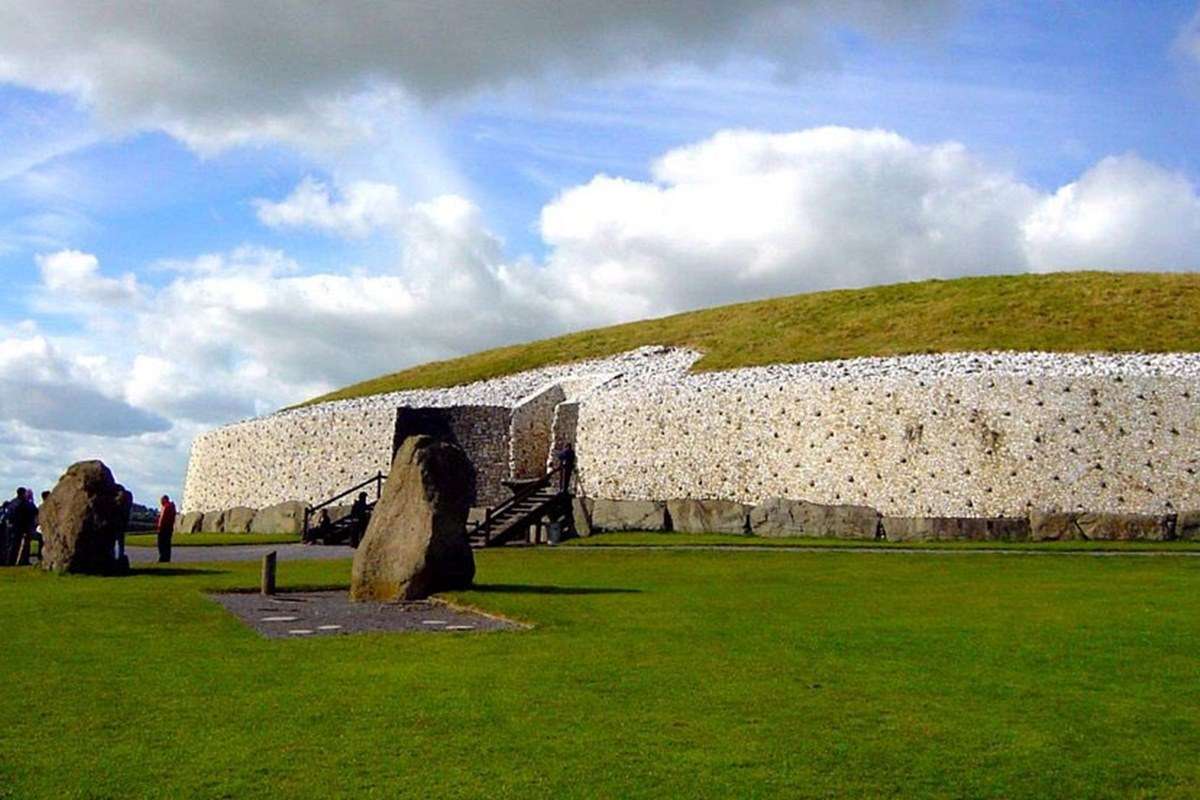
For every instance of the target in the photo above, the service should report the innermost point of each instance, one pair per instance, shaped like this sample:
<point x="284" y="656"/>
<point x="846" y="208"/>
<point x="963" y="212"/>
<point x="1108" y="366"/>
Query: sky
<point x="211" y="210"/>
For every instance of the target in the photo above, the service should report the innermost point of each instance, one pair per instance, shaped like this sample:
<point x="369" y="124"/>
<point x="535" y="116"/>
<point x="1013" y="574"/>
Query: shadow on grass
<point x="174" y="572"/>
<point x="526" y="588"/>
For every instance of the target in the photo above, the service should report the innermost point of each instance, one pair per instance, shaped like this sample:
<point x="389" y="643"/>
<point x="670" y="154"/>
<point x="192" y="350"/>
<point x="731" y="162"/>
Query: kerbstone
<point x="708" y="516"/>
<point x="629" y="515"/>
<point x="1126" y="527"/>
<point x="778" y="517"/>
<point x="238" y="520"/>
<point x="189" y="522"/>
<point x="280" y="518"/>
<point x="980" y="529"/>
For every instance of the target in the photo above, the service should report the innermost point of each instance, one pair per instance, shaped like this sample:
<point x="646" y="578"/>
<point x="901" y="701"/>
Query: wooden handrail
<point x="524" y="494"/>
<point x="377" y="479"/>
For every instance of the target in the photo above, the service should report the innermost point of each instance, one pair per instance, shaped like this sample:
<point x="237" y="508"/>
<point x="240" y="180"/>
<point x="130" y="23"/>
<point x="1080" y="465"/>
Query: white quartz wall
<point x="941" y="441"/>
<point x="306" y="455"/>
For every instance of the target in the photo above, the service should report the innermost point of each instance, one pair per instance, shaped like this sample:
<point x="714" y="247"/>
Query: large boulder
<point x="777" y="517"/>
<point x="238" y="520"/>
<point x="280" y="518"/>
<point x="707" y="516"/>
<point x="416" y="543"/>
<point x="82" y="519"/>
<point x="629" y="515"/>
<point x="189" y="522"/>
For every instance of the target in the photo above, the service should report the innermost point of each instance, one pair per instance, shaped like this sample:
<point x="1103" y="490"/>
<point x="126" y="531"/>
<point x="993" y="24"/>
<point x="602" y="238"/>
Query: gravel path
<point x="245" y="552"/>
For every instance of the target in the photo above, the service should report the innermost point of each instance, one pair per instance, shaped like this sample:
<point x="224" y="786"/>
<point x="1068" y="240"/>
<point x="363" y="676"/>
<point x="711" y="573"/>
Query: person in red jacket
<point x="166" y="527"/>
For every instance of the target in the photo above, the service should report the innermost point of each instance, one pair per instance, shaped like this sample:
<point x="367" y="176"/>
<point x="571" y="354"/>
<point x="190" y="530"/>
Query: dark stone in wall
<point x="1187" y="526"/>
<point x="981" y="529"/>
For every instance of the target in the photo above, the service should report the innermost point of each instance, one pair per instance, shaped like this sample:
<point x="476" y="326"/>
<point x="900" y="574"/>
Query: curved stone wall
<point x="937" y="436"/>
<point x="957" y="436"/>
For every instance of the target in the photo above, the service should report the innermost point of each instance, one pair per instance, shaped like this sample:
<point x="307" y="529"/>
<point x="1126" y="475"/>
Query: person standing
<point x="166" y="527"/>
<point x="566" y="463"/>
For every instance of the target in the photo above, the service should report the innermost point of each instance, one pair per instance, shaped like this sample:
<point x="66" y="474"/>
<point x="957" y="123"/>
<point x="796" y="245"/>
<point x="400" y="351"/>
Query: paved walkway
<point x="299" y="552"/>
<point x="241" y="552"/>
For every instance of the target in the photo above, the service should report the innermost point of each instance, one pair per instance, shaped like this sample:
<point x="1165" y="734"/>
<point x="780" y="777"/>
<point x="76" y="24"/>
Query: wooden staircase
<point x="541" y="501"/>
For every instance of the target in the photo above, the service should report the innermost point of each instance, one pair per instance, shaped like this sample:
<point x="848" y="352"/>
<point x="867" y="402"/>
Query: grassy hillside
<point x="1063" y="312"/>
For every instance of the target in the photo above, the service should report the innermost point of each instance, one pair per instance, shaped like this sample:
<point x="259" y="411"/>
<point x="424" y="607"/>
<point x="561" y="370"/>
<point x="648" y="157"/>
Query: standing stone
<point x="81" y="520"/>
<point x="416" y="543"/>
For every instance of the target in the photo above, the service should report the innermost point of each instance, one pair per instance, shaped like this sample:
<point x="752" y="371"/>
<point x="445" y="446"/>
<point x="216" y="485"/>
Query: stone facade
<point x="921" y="441"/>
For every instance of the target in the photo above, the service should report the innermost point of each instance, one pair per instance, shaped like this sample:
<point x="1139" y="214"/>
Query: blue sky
<point x="210" y="212"/>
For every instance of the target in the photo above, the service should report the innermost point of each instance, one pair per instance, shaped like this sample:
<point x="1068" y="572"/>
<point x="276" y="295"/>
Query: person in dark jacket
<point x="20" y="518"/>
<point x="566" y="461"/>
<point x="165" y="528"/>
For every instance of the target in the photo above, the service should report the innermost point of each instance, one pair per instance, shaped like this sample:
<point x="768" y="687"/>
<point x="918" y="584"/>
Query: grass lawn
<point x="649" y="674"/>
<point x="660" y="539"/>
<point x="211" y="539"/>
<point x="1060" y="312"/>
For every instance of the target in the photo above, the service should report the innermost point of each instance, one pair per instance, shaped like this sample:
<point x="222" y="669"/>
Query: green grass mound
<point x="646" y="674"/>
<point x="1061" y="312"/>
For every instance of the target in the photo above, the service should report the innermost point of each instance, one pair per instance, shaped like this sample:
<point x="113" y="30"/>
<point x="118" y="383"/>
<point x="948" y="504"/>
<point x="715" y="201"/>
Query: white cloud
<point x="1123" y="213"/>
<point x="748" y="214"/>
<point x="44" y="389"/>
<point x="71" y="274"/>
<point x="216" y="74"/>
<point x="364" y="207"/>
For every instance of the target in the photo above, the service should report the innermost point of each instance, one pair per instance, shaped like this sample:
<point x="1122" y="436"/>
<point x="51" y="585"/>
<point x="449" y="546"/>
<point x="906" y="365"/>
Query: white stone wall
<point x="297" y="456"/>
<point x="531" y="432"/>
<point x="313" y="453"/>
<point x="945" y="437"/>
<point x="968" y="435"/>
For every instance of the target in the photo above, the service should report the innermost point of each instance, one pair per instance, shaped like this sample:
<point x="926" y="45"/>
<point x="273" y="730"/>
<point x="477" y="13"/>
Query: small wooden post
<point x="268" y="573"/>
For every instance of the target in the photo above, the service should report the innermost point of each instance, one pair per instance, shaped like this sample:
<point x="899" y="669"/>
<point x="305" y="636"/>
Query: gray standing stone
<point x="189" y="522"/>
<point x="629" y="515"/>
<point x="708" y="516"/>
<point x="280" y="518"/>
<point x="416" y="543"/>
<point x="779" y="517"/>
<point x="238" y="520"/>
<point x="81" y="520"/>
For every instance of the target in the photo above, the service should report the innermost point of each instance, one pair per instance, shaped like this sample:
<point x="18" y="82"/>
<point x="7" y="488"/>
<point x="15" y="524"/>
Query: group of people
<point x="19" y="528"/>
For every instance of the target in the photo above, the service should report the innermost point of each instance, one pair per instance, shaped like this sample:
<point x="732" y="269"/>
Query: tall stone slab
<point x="416" y="544"/>
<point x="81" y="520"/>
